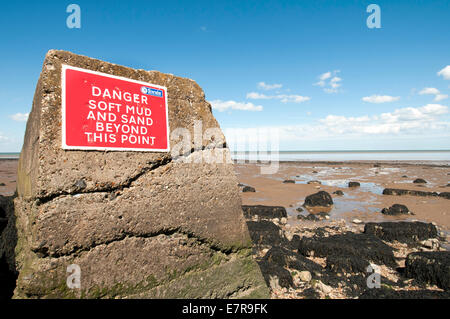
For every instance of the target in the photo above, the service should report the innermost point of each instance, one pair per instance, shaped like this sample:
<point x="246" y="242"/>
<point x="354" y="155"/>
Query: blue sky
<point x="267" y="53"/>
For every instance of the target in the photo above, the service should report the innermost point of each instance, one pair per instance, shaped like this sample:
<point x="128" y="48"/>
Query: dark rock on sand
<point x="265" y="232"/>
<point x="376" y="165"/>
<point x="277" y="259"/>
<point x="272" y="271"/>
<point x="354" y="184"/>
<point x="404" y="176"/>
<point x="264" y="211"/>
<point x="321" y="198"/>
<point x="400" y="192"/>
<point x="289" y="181"/>
<point x="349" y="251"/>
<point x="287" y="258"/>
<point x="406" y="232"/>
<point x="248" y="189"/>
<point x="2" y="184"/>
<point x="396" y="209"/>
<point x="313" y="217"/>
<point x="445" y="194"/>
<point x="339" y="192"/>
<point x="430" y="267"/>
<point x="419" y="181"/>
<point x="240" y="185"/>
<point x="314" y="182"/>
<point x="299" y="209"/>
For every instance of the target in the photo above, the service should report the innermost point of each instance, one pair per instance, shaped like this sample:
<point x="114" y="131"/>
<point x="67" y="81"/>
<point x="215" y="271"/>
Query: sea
<point x="416" y="156"/>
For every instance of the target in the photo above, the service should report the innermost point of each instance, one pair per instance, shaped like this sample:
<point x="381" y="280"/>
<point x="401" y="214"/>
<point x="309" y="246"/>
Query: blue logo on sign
<point x="150" y="91"/>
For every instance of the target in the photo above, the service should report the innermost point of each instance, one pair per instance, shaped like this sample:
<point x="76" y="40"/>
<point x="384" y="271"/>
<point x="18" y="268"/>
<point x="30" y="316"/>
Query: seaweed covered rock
<point x="262" y="211"/>
<point x="407" y="232"/>
<point x="396" y="209"/>
<point x="348" y="252"/>
<point x="430" y="267"/>
<point x="266" y="233"/>
<point x="321" y="199"/>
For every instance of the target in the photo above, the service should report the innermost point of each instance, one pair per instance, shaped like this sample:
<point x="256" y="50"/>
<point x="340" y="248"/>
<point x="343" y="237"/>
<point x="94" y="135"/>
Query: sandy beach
<point x="365" y="202"/>
<point x="327" y="258"/>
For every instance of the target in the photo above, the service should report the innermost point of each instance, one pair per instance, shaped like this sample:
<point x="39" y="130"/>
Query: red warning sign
<point x="107" y="112"/>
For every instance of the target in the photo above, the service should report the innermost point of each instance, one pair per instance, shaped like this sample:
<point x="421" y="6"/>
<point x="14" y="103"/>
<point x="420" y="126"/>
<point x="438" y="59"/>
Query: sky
<point x="311" y="71"/>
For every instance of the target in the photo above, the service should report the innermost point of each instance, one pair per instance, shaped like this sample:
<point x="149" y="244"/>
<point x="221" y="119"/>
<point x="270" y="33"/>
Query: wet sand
<point x="8" y="176"/>
<point x="364" y="203"/>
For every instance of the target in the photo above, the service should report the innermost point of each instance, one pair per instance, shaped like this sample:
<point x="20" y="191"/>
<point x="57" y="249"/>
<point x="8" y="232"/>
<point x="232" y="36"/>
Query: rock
<point x="322" y="199"/>
<point x="277" y="259"/>
<point x="406" y="232"/>
<point x="2" y="184"/>
<point x="429" y="267"/>
<point x="354" y="184"/>
<point x="357" y="221"/>
<point x="175" y="230"/>
<point x="268" y="212"/>
<point x="396" y="209"/>
<point x="248" y="189"/>
<point x="265" y="233"/>
<point x="445" y="195"/>
<point x="339" y="192"/>
<point x="404" y="176"/>
<point x="305" y="276"/>
<point x="315" y="182"/>
<point x="376" y="165"/>
<point x="283" y="221"/>
<point x="419" y="181"/>
<point x="322" y="287"/>
<point x="314" y="172"/>
<point x="289" y="181"/>
<point x="299" y="209"/>
<point x="348" y="252"/>
<point x="431" y="243"/>
<point x="397" y="191"/>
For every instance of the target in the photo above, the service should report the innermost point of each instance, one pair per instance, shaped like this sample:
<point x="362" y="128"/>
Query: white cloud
<point x="380" y="98"/>
<point x="433" y="91"/>
<point x="20" y="117"/>
<point x="329" y="81"/>
<point x="440" y="97"/>
<point x="284" y="98"/>
<point x="265" y="86"/>
<point x="445" y="72"/>
<point x="410" y="121"/>
<point x="233" y="105"/>
<point x="325" y="76"/>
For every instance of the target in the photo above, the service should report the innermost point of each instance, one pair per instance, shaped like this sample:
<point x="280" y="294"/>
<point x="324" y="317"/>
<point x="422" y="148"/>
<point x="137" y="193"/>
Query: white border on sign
<point x="93" y="148"/>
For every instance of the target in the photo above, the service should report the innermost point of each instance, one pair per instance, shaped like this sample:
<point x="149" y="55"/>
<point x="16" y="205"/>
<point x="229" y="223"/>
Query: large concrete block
<point x="138" y="224"/>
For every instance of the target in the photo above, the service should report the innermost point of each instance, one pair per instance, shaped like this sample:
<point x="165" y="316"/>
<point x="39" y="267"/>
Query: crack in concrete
<point x="44" y="253"/>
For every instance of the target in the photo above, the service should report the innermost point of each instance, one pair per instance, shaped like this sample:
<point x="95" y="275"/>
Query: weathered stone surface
<point x="419" y="181"/>
<point x="264" y="211"/>
<point x="430" y="267"/>
<point x="139" y="224"/>
<point x="408" y="232"/>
